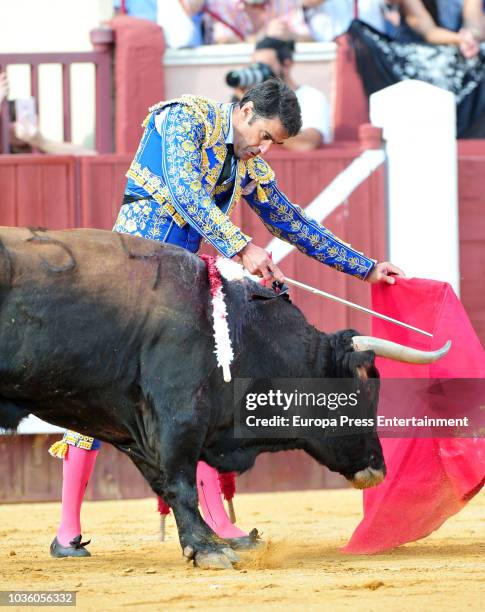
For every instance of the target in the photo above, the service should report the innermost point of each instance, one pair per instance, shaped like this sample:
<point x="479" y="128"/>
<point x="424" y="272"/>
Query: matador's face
<point x="254" y="135"/>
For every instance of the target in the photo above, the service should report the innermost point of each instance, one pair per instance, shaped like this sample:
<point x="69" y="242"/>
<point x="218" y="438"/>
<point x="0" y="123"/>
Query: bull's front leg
<point x="175" y="482"/>
<point x="197" y="540"/>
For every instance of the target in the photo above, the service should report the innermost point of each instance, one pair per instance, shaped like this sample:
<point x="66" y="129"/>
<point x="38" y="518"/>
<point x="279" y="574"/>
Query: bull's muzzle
<point x="369" y="477"/>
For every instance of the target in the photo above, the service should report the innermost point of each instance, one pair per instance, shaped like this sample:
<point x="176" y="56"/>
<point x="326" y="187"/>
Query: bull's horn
<point x="392" y="350"/>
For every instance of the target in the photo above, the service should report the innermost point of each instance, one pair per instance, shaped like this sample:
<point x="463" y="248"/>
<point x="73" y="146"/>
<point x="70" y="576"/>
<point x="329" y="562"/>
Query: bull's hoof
<point x="75" y="549"/>
<point x="231" y="555"/>
<point x="221" y="558"/>
<point x="213" y="560"/>
<point x="248" y="542"/>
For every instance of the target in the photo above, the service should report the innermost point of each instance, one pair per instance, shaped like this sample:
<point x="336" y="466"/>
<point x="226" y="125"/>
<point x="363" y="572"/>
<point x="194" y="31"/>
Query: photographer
<point x="274" y="57"/>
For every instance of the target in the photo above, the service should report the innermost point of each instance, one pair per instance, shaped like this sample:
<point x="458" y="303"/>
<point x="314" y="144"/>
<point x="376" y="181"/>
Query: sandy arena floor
<point x="299" y="569"/>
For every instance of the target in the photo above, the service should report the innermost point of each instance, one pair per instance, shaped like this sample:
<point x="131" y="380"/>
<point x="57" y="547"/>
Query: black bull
<point x="112" y="336"/>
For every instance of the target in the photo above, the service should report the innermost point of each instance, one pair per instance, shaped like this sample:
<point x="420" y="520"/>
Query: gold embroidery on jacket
<point x="195" y="145"/>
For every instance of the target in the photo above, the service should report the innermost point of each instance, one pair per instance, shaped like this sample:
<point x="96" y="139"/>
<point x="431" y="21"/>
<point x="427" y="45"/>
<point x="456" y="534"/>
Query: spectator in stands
<point x="180" y="20"/>
<point x="445" y="50"/>
<point x="392" y="18"/>
<point x="27" y="136"/>
<point x="440" y="22"/>
<point x="328" y="19"/>
<point x="25" y="133"/>
<point x="189" y="23"/>
<point x="278" y="55"/>
<point x="143" y="9"/>
<point x="232" y="21"/>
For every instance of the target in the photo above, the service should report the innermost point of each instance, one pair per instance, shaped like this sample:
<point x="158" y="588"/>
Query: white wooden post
<point x="418" y="122"/>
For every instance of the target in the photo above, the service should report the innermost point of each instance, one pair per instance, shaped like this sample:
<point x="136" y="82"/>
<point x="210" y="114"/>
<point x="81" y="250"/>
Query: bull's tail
<point x="11" y="414"/>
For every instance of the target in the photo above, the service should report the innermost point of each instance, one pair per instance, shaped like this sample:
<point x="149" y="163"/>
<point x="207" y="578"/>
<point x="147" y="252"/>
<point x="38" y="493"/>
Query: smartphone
<point x="25" y="111"/>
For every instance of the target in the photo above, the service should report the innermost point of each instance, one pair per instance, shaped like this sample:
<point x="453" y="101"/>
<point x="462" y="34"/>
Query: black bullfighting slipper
<point x="75" y="549"/>
<point x="253" y="540"/>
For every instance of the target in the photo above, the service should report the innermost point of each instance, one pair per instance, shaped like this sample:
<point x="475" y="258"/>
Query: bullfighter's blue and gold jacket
<point x="176" y="173"/>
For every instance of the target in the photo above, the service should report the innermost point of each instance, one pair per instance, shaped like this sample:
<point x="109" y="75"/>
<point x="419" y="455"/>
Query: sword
<point x="290" y="281"/>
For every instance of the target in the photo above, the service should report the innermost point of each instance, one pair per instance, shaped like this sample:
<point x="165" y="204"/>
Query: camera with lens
<point x="249" y="76"/>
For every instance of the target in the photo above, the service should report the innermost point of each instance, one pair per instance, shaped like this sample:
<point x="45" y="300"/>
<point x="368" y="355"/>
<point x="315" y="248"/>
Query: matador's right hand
<point x="258" y="261"/>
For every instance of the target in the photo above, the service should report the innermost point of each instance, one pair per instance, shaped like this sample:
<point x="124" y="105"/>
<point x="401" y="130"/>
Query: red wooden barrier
<point x="29" y="473"/>
<point x="102" y="184"/>
<point x="61" y="192"/>
<point x="38" y="191"/>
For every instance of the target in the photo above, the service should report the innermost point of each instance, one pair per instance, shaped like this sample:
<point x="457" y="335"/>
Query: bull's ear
<point x="367" y="370"/>
<point x="278" y="290"/>
<point x="362" y="364"/>
<point x="259" y="296"/>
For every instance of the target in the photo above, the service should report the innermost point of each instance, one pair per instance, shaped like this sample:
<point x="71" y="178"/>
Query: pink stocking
<point x="76" y="471"/>
<point x="210" y="501"/>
